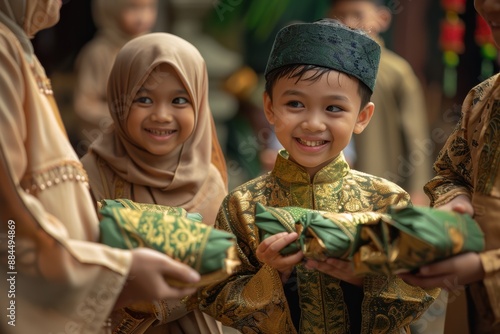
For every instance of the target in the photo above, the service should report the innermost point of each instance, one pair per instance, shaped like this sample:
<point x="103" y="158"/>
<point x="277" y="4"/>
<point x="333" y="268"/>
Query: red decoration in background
<point x="457" y="6"/>
<point x="489" y="52"/>
<point x="482" y="34"/>
<point x="451" y="41"/>
<point x="452" y="35"/>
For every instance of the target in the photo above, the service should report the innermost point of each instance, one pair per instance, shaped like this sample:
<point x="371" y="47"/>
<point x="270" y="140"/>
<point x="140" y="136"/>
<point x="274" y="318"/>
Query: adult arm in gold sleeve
<point x="453" y="165"/>
<point x="467" y="166"/>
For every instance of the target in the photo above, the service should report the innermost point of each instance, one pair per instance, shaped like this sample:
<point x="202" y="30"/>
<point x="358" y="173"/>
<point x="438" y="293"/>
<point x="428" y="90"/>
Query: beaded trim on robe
<point x="64" y="171"/>
<point x="43" y="83"/>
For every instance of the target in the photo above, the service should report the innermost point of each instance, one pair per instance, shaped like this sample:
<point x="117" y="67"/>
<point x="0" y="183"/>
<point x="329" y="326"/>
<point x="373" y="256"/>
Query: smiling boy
<point x="319" y="79"/>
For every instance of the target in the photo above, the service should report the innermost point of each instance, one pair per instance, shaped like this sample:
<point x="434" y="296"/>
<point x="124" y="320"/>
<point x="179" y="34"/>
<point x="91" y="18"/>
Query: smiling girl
<point x="160" y="149"/>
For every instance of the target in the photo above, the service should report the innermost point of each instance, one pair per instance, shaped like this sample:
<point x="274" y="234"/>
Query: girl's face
<point x="138" y="17"/>
<point x="314" y="120"/>
<point x="490" y="11"/>
<point x="162" y="116"/>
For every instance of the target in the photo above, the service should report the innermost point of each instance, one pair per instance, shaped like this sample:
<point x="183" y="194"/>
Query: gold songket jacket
<point x="253" y="299"/>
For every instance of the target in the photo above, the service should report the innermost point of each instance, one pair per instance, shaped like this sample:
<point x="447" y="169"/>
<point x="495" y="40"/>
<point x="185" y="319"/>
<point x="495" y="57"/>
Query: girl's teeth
<point x="160" y="133"/>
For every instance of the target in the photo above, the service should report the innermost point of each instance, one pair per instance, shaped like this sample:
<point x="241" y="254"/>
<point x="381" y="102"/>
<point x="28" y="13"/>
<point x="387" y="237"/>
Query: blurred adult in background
<point x="117" y="21"/>
<point x="251" y="145"/>
<point x="396" y="144"/>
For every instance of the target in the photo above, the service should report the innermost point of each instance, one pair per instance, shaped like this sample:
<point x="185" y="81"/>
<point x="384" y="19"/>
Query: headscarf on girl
<point x="185" y="177"/>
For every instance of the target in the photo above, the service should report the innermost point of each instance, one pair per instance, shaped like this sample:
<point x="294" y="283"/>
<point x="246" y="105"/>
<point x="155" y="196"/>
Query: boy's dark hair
<point x="298" y="71"/>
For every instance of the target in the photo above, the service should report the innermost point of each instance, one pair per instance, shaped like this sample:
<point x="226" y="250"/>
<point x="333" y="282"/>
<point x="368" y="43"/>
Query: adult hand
<point x="449" y="274"/>
<point x="146" y="279"/>
<point x="336" y="268"/>
<point x="268" y="252"/>
<point x="461" y="204"/>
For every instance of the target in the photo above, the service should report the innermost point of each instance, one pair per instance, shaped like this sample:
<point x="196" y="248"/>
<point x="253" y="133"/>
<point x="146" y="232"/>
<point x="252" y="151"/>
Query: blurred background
<point x="235" y="38"/>
<point x="444" y="42"/>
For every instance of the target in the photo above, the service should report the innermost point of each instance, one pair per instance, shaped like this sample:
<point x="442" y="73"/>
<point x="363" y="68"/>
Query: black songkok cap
<point x="327" y="43"/>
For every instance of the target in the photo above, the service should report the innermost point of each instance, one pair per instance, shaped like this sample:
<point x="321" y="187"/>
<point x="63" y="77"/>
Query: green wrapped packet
<point x="410" y="237"/>
<point x="172" y="231"/>
<point x="321" y="234"/>
<point x="170" y="210"/>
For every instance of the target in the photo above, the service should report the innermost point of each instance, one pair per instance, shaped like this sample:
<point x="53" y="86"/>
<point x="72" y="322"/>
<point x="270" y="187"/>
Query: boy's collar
<point x="292" y="172"/>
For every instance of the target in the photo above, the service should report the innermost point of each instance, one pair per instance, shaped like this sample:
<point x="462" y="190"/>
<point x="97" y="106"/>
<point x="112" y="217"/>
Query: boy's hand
<point x="449" y="274"/>
<point x="460" y="204"/>
<point x="146" y="279"/>
<point x="268" y="252"/>
<point x="336" y="268"/>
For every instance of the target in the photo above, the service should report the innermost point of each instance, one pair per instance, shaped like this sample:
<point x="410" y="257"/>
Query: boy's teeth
<point x="311" y="143"/>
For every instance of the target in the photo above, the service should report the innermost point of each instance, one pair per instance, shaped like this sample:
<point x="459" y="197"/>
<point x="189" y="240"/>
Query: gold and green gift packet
<point x="403" y="239"/>
<point x="173" y="231"/>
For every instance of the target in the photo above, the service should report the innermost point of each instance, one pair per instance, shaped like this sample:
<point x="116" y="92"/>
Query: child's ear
<point x="268" y="108"/>
<point x="364" y="117"/>
<point x="384" y="18"/>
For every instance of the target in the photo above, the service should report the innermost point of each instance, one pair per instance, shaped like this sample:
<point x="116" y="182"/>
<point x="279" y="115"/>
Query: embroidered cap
<point x="327" y="43"/>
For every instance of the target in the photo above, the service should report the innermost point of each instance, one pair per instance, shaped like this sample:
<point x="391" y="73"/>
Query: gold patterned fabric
<point x="322" y="234"/>
<point x="400" y="240"/>
<point x="170" y="230"/>
<point x="253" y="298"/>
<point x="469" y="164"/>
<point x="407" y="238"/>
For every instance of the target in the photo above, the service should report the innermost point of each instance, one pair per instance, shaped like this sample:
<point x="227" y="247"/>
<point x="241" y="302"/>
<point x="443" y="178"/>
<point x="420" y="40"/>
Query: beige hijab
<point x="23" y="18"/>
<point x="186" y="177"/>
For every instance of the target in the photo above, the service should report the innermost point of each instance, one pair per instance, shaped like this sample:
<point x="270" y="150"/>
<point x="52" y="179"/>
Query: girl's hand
<point x="336" y="268"/>
<point x="268" y="252"/>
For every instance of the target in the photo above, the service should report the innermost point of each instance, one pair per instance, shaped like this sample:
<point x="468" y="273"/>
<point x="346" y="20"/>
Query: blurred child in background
<point x="117" y="21"/>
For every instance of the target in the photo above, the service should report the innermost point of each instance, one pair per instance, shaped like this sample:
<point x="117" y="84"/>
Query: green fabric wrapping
<point x="272" y="221"/>
<point x="170" y="230"/>
<point x="321" y="234"/>
<point x="400" y="240"/>
<point x="408" y="238"/>
<point x="171" y="210"/>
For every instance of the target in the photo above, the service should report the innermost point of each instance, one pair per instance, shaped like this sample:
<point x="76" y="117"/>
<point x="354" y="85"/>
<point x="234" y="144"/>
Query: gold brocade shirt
<point x="469" y="164"/>
<point x="253" y="299"/>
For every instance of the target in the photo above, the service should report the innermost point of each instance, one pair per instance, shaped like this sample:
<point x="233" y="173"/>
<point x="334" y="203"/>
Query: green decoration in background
<point x="249" y="27"/>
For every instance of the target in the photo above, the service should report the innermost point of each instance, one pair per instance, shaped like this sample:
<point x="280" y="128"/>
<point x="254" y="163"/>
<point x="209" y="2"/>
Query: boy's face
<point x="161" y="117"/>
<point x="314" y="120"/>
<point x="139" y="17"/>
<point x="490" y="11"/>
<point x="360" y="14"/>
